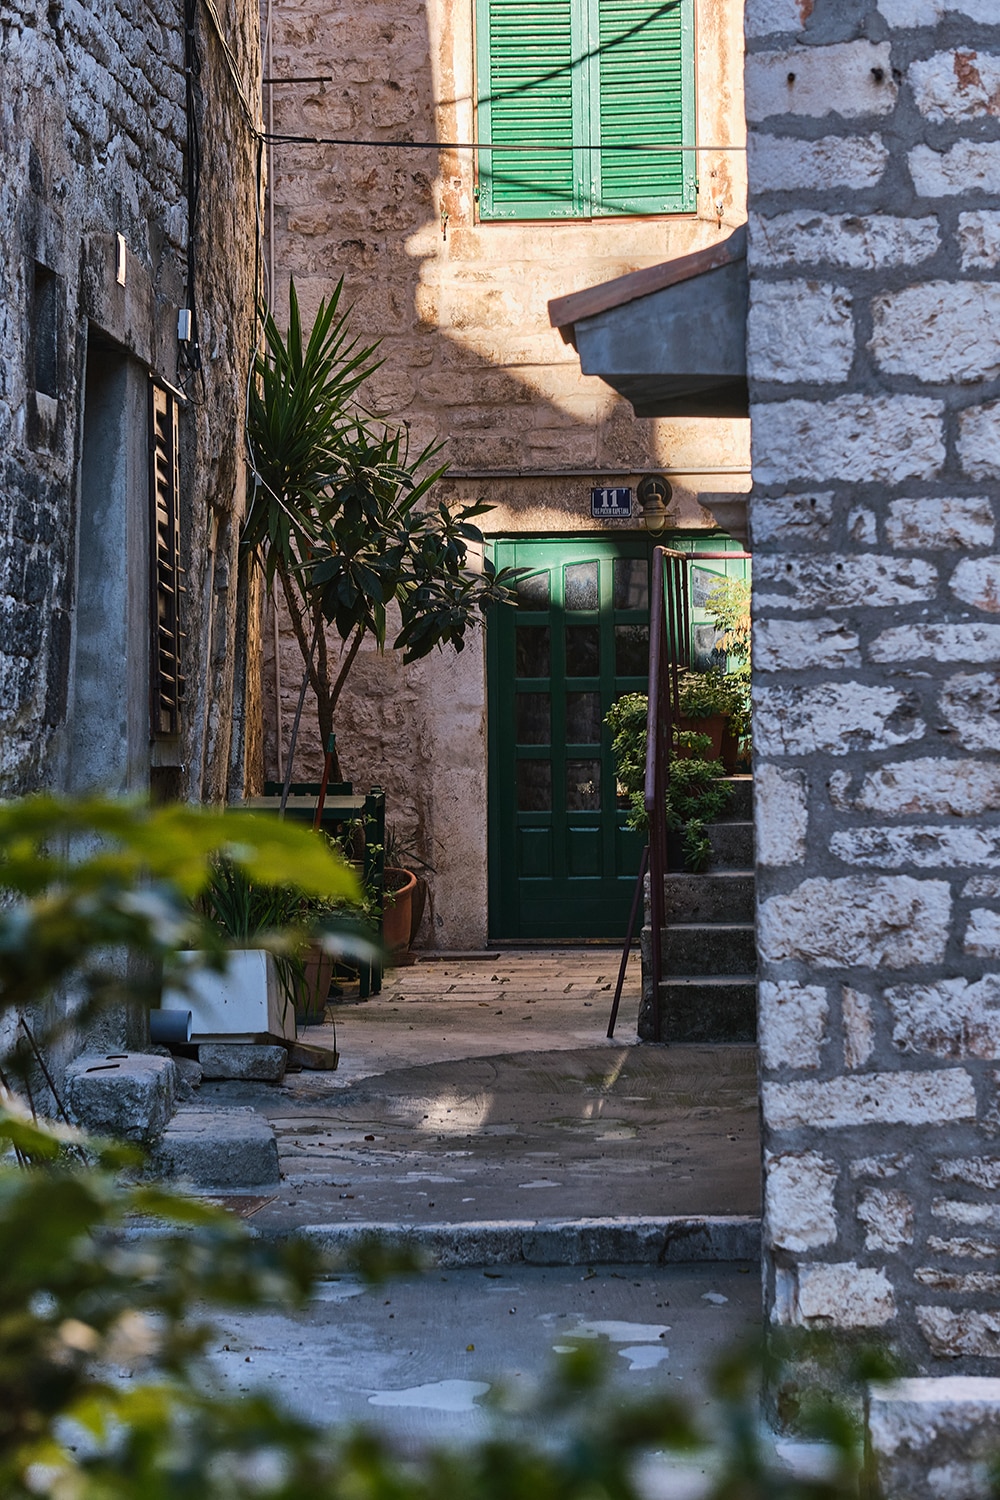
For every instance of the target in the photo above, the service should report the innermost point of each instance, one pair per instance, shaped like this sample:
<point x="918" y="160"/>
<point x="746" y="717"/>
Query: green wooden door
<point x="563" y="862"/>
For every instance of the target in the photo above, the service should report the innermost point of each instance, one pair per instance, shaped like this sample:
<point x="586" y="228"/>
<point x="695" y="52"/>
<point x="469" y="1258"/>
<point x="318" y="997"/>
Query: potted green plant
<point x="698" y="790"/>
<point x="279" y="976"/>
<point x="713" y="704"/>
<point x="405" y="896"/>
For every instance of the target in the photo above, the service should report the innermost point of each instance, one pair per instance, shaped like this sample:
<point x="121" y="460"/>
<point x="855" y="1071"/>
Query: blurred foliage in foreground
<point x="105" y="1392"/>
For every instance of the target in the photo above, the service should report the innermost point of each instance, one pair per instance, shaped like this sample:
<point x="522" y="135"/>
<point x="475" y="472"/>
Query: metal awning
<point x="671" y="338"/>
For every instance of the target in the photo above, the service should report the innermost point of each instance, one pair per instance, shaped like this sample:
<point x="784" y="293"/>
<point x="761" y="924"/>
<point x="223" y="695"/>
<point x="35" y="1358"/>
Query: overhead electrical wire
<point x="277" y="138"/>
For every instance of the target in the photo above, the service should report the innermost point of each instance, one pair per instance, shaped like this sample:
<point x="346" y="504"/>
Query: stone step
<point x="217" y="1148"/>
<point x="722" y="896"/>
<point x="732" y="845"/>
<point x="127" y="1095"/>
<point x="741" y="802"/>
<point x="720" y="1009"/>
<point x="691" y="948"/>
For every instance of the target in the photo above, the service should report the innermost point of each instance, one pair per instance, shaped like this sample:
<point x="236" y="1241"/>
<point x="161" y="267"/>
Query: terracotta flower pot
<point x="397" y="915"/>
<point x="310" y="1009"/>
<point x="725" y="744"/>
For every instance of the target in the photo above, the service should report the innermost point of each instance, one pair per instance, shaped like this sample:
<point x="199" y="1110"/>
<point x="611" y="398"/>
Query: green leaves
<point x="298" y="412"/>
<point x="97" y="874"/>
<point x="340" y="510"/>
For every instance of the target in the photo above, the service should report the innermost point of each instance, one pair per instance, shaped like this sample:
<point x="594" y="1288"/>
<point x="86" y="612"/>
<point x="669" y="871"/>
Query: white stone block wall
<point x="874" y="355"/>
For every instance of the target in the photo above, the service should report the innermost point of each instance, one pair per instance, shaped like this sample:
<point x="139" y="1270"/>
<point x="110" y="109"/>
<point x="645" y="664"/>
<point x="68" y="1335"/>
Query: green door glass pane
<point x="583" y="785"/>
<point x="583" y="650"/>
<point x="533" y="591"/>
<point x="631" y="650"/>
<point x="532" y="651"/>
<point x="583" y="718"/>
<point x="631" y="586"/>
<point x="580" y="586"/>
<point x="534" y="786"/>
<point x="533" y="718"/>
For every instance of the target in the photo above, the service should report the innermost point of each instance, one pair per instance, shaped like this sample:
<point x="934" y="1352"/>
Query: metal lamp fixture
<point x="655" y="493"/>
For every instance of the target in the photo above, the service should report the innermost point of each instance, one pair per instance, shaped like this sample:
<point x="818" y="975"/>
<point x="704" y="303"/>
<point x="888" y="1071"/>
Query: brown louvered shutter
<point x="166" y="678"/>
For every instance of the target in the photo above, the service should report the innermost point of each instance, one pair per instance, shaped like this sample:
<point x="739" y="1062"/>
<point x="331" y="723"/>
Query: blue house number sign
<point x="611" y="505"/>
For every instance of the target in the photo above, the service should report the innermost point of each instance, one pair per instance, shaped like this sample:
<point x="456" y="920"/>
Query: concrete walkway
<point x="484" y="1089"/>
<point x="479" y="1107"/>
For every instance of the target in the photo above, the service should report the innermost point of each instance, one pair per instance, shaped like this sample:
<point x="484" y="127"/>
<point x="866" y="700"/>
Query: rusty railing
<point x="669" y="656"/>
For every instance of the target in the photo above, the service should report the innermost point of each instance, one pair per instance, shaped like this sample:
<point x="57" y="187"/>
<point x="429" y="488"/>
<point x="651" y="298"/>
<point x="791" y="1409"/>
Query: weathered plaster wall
<point x="93" y="138"/>
<point x="461" y="305"/>
<point x="470" y="357"/>
<point x="875" y="367"/>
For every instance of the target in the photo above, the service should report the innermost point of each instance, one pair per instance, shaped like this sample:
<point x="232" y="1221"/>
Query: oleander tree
<point x="340" y="512"/>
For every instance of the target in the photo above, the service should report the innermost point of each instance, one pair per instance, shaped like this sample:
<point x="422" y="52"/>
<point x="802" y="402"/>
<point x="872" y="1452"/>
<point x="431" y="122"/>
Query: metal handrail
<point x="669" y="656"/>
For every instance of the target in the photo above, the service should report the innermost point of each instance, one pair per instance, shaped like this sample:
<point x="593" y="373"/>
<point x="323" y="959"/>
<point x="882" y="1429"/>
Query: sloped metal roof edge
<point x="566" y="311"/>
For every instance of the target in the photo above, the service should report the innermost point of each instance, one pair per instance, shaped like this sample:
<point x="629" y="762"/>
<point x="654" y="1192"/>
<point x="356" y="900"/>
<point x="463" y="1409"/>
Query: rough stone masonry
<point x="93" y="141"/>
<point x="874" y="352"/>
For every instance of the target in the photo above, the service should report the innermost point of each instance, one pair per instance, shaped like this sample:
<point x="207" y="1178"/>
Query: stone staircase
<point x="708" y="987"/>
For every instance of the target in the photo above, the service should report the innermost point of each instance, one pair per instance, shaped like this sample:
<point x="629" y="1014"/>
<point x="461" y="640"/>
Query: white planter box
<point x="246" y="1001"/>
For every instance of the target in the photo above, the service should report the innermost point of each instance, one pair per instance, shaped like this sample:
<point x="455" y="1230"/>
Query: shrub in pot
<point x="716" y="704"/>
<point x="698" y="791"/>
<point x="250" y="915"/>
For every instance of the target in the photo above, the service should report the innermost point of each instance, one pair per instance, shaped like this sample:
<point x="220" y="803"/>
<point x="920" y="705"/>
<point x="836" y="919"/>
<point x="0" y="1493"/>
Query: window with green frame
<point x="581" y="80"/>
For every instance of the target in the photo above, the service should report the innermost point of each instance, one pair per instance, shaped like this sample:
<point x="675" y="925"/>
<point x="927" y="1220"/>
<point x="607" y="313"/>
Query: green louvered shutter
<point x="643" y="94"/>
<point x="529" y="92"/>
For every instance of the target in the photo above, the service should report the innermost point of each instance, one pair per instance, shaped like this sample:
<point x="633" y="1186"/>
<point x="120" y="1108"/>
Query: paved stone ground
<point x="397" y="1357"/>
<point x="486" y="1089"/>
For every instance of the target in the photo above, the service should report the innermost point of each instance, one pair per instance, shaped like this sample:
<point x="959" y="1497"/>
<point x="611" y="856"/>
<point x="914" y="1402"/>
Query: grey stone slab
<point x="704" y="1010"/>
<point x="710" y="1010"/>
<point x="723" y="896"/>
<point x="129" y="1095"/>
<point x="218" y="1148"/>
<point x="576" y="1242"/>
<point x="252" y="1062"/>
<point x="732" y="845"/>
<point x="709" y="948"/>
<point x="935" y="1438"/>
<point x="741" y="802"/>
<point x="189" y="1076"/>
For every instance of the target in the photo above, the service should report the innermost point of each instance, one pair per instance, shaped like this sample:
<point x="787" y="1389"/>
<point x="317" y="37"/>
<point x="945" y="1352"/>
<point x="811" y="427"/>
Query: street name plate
<point x="611" y="505"/>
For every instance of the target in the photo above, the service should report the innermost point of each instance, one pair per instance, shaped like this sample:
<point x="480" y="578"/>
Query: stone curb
<point x="550" y="1242"/>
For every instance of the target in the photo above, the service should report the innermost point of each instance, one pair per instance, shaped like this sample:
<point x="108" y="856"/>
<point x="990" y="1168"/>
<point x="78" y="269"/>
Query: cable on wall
<point x="189" y="350"/>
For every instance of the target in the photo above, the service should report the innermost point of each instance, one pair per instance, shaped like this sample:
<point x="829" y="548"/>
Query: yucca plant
<point x="338" y="516"/>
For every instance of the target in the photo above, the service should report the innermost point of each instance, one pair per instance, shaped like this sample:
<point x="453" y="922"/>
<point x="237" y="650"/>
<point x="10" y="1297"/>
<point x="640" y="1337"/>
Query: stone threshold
<point x="550" y="1242"/>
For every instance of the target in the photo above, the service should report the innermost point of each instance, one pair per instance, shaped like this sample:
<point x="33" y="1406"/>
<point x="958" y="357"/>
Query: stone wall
<point x="94" y="143"/>
<point x="470" y="359"/>
<point x="874" y="171"/>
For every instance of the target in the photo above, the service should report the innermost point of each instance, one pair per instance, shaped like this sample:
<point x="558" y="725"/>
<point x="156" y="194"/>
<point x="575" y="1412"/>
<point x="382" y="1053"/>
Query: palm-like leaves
<point x="299" y="409"/>
<point x="338" y="511"/>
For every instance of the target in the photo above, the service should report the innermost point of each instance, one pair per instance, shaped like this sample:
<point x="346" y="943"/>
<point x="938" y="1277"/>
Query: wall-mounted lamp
<point x="655" y="494"/>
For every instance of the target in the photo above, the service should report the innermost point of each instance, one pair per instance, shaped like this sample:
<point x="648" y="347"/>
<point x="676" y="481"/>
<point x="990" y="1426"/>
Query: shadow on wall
<point x="469" y="356"/>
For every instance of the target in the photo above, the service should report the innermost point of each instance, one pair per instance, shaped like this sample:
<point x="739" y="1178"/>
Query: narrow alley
<point x="484" y="1089"/>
